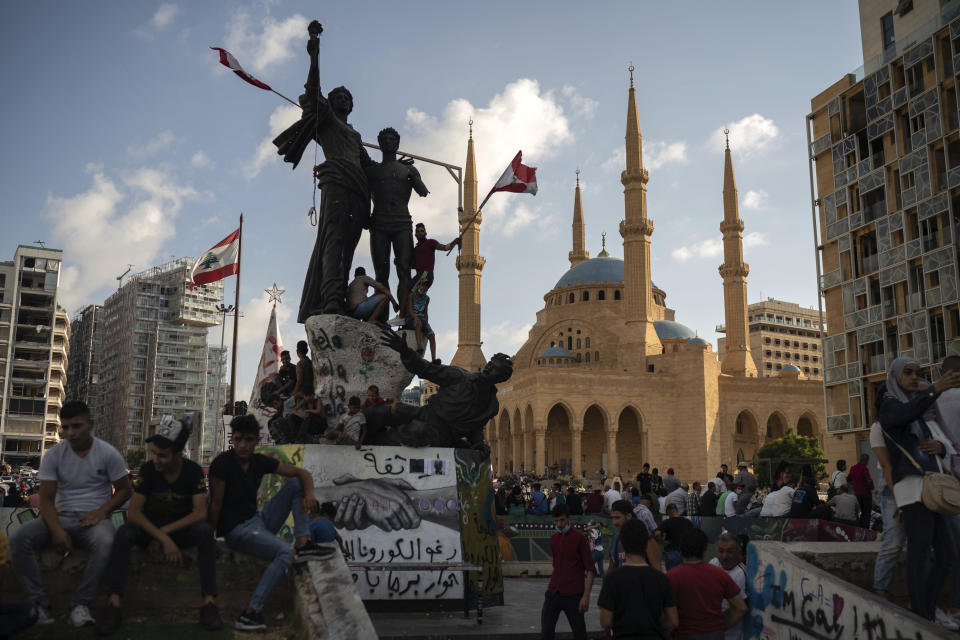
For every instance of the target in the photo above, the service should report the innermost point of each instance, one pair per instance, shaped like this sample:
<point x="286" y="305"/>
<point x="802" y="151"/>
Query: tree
<point x="799" y="450"/>
<point x="136" y="457"/>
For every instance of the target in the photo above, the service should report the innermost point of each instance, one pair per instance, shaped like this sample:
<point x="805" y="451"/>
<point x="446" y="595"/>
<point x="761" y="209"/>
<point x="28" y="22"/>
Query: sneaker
<point x="311" y="551"/>
<point x="80" y="616"/>
<point x="250" y="621"/>
<point x="109" y="622"/>
<point x="210" y="617"/>
<point x="44" y="614"/>
<point x="946" y="621"/>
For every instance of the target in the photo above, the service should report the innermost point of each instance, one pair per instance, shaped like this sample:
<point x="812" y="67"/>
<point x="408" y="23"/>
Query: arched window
<point x="739" y="426"/>
<point x="569" y="343"/>
<point x="587" y="358"/>
<point x="571" y="297"/>
<point x="601" y="295"/>
<point x="616" y="294"/>
<point x="586" y="296"/>
<point x="579" y="357"/>
<point x="578" y="343"/>
<point x="587" y="343"/>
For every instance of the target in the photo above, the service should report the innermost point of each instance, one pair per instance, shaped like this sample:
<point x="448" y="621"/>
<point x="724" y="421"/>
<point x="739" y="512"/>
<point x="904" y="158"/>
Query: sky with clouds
<point x="125" y="142"/>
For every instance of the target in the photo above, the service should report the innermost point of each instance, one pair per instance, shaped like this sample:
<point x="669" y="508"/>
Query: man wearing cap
<point x="744" y="477"/>
<point x="168" y="507"/>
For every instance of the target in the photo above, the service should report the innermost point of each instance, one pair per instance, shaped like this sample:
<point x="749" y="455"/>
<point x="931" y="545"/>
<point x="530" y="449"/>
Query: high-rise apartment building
<point x="155" y="359"/>
<point x="34" y="339"/>
<point x="86" y="331"/>
<point x="885" y="160"/>
<point x="782" y="334"/>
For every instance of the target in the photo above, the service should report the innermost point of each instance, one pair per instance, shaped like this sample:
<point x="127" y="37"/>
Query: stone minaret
<point x="737" y="360"/>
<point x="579" y="253"/>
<point x="469" y="265"/>
<point x="641" y="339"/>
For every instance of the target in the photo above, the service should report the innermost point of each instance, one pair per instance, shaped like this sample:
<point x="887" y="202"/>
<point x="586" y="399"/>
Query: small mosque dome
<point x="669" y="330"/>
<point x="791" y="367"/>
<point x="593" y="271"/>
<point x="697" y="340"/>
<point x="555" y="352"/>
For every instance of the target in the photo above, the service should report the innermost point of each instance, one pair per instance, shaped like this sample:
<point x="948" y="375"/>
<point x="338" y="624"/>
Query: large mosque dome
<point x="593" y="271"/>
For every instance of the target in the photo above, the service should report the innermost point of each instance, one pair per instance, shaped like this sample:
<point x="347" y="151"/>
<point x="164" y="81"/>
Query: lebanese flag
<point x="227" y="60"/>
<point x="268" y="368"/>
<point x="222" y="260"/>
<point x="518" y="178"/>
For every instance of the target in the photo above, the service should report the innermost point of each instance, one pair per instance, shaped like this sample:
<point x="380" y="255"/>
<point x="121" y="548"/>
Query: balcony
<point x="874" y="211"/>
<point x="917" y="301"/>
<point x="875" y="364"/>
<point x="871" y="263"/>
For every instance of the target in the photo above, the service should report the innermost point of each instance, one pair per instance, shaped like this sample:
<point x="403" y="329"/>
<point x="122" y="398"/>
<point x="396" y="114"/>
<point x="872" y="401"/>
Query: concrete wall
<point x="790" y="598"/>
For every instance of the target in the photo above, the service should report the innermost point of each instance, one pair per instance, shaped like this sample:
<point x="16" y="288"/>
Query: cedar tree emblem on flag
<point x="222" y="260"/>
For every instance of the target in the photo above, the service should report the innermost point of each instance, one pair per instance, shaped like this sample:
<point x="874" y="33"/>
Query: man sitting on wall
<point x="82" y="481"/>
<point x="168" y="507"/>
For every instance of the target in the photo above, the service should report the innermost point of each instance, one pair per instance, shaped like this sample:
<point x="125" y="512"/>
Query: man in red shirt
<point x="859" y="477"/>
<point x="594" y="502"/>
<point x="700" y="590"/>
<point x="423" y="252"/>
<point x="567" y="591"/>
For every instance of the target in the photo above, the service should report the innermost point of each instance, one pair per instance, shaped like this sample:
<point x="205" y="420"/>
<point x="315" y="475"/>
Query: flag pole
<point x="236" y="321"/>
<point x="464" y="228"/>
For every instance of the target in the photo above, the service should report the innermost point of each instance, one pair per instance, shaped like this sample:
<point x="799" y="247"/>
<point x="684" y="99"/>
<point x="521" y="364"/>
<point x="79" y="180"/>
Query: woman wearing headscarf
<point x="908" y="418"/>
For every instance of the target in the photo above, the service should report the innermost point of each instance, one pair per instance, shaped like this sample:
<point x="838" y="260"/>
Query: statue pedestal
<point x="348" y="357"/>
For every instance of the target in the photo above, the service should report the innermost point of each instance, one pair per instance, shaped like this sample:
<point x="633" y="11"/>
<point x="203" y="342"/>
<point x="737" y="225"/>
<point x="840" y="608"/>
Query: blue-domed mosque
<point x="609" y="379"/>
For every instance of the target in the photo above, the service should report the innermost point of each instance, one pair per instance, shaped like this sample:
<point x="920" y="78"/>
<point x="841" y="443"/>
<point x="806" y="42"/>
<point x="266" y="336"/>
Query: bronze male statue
<point x="345" y="201"/>
<point x="453" y="417"/>
<point x="392" y="182"/>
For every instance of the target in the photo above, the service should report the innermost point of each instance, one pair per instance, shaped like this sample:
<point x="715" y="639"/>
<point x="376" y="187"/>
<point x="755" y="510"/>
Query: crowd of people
<point x="83" y="480"/>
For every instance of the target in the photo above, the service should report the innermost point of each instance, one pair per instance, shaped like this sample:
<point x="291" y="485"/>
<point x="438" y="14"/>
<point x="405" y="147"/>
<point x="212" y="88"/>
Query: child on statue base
<point x="417" y="306"/>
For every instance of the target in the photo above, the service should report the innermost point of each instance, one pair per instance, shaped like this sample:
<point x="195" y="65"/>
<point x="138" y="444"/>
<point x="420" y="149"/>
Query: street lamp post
<point x="223" y="310"/>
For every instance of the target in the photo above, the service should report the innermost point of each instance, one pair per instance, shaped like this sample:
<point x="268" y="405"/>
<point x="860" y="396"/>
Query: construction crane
<point x="120" y="277"/>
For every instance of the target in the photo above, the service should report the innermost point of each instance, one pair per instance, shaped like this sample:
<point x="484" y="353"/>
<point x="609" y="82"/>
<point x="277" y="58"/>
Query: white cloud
<point x="656" y="154"/>
<point x="160" y="142"/>
<point x="164" y="16"/>
<point x="506" y="337"/>
<point x="748" y="136"/>
<point x="281" y="118"/>
<point x="521" y="116"/>
<point x="135" y="214"/>
<point x="200" y="160"/>
<point x="579" y="105"/>
<point x="755" y="200"/>
<point x="258" y="44"/>
<point x="713" y="247"/>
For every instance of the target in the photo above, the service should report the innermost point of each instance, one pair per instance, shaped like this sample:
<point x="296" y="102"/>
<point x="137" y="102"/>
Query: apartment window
<point x="767" y="353"/>
<point x="886" y="30"/>
<point x="596" y="356"/>
<point x="917" y="123"/>
<point x="588" y="356"/>
<point x="587" y="343"/>
<point x="769" y="366"/>
<point x="578" y="343"/>
<point x="766" y="341"/>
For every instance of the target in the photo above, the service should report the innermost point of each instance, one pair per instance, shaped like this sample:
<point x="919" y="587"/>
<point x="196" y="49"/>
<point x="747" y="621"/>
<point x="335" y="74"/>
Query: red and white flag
<point x="222" y="260"/>
<point x="518" y="178"/>
<point x="267" y="370"/>
<point x="227" y="60"/>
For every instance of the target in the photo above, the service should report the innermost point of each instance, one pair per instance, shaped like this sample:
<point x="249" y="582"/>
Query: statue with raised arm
<point x="392" y="182"/>
<point x="453" y="417"/>
<point x="345" y="201"/>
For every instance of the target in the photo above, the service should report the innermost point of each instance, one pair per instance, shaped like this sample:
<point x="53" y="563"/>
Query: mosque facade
<point x="608" y="378"/>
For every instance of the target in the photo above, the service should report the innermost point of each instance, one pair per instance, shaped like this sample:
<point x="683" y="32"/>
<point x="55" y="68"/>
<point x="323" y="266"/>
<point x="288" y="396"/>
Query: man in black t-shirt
<point x="644" y="479"/>
<point x="169" y="507"/>
<point x="636" y="600"/>
<point x="235" y="476"/>
<point x="304" y="384"/>
<point x="673" y="528"/>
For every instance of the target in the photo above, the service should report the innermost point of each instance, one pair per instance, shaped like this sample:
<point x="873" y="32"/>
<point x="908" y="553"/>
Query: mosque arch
<point x="559" y="438"/>
<point x="593" y="438"/>
<point x="807" y="425"/>
<point x="506" y="440"/>
<point x="530" y="454"/>
<point x="518" y="451"/>
<point x="630" y="441"/>
<point x="776" y="425"/>
<point x="746" y="435"/>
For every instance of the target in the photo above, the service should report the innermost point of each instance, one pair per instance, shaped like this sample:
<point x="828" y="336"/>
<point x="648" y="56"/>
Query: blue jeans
<point x="894" y="539"/>
<point x="257" y="537"/>
<point x="598" y="560"/>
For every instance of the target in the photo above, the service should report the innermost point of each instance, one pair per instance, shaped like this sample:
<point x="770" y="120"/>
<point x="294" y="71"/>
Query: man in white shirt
<point x="730" y="559"/>
<point x="610" y="496"/>
<point x="777" y="503"/>
<point x="730" y="503"/>
<point x="846" y="509"/>
<point x="83" y="480"/>
<point x="351" y="428"/>
<point x="678" y="497"/>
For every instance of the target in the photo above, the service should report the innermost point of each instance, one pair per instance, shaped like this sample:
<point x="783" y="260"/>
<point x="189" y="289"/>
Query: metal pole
<point x="816" y="251"/>
<point x="223" y="329"/>
<point x="236" y="321"/>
